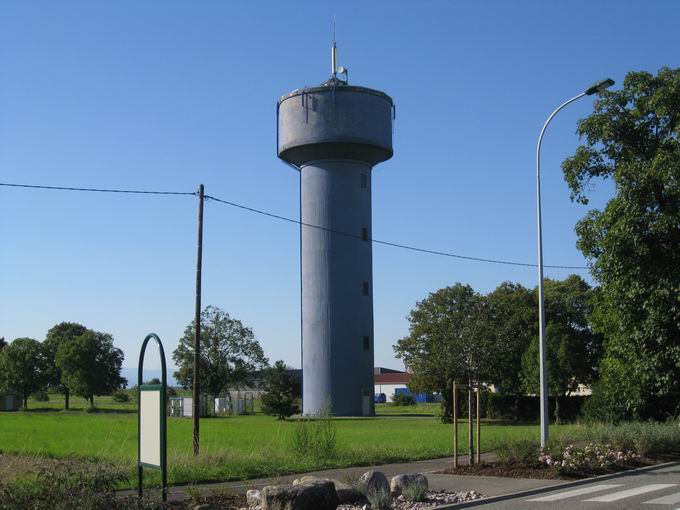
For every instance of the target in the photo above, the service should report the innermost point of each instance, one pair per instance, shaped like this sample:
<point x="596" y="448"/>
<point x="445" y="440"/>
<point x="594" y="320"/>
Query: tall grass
<point x="644" y="438"/>
<point x="414" y="491"/>
<point x="315" y="436"/>
<point x="380" y="499"/>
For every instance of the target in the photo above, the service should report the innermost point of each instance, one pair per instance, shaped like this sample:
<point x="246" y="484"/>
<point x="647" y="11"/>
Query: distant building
<point x="390" y="382"/>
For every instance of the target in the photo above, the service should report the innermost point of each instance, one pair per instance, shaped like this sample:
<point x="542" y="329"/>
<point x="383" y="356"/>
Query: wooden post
<point x="455" y="425"/>
<point x="196" y="411"/>
<point x="479" y="425"/>
<point x="471" y="446"/>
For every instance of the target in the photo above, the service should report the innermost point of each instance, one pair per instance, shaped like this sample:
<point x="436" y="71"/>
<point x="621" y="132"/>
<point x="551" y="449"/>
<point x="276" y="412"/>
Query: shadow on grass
<point x="77" y="410"/>
<point x="405" y="415"/>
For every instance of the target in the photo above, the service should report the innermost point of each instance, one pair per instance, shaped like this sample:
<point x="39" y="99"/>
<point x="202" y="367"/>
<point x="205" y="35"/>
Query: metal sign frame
<point x="163" y="432"/>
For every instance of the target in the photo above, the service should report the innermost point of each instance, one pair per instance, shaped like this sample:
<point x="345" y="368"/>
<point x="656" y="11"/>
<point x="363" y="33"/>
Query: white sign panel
<point x="150" y="428"/>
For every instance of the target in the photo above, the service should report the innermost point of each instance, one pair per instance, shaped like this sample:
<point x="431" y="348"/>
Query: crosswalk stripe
<point x="574" y="493"/>
<point x="631" y="492"/>
<point x="665" y="500"/>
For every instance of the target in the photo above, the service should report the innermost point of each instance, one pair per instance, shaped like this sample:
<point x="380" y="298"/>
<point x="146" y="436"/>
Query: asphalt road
<point x="651" y="490"/>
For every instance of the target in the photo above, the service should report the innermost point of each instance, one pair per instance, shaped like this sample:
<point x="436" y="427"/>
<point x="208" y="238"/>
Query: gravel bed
<point x="433" y="499"/>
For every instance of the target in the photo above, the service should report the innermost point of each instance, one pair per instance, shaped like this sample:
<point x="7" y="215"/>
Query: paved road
<point x="651" y="490"/>
<point x="489" y="486"/>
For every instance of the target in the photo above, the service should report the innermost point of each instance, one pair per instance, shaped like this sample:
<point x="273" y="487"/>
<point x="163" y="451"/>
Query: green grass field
<point x="234" y="447"/>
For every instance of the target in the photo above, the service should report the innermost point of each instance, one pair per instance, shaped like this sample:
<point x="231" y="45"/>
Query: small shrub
<point x="65" y="488"/>
<point x="520" y="451"/>
<point x="41" y="396"/>
<point x="315" y="436"/>
<point x="402" y="399"/>
<point x="414" y="492"/>
<point x="592" y="459"/>
<point x="121" y="396"/>
<point x="380" y="499"/>
<point x="195" y="493"/>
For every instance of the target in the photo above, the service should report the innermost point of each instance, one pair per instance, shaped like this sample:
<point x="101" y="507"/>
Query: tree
<point x="633" y="243"/>
<point x="278" y="397"/>
<point x="24" y="367"/>
<point x="449" y="339"/>
<point x="3" y="343"/>
<point x="515" y="323"/>
<point x="573" y="348"/>
<point x="56" y="337"/>
<point x="90" y="365"/>
<point x="230" y="354"/>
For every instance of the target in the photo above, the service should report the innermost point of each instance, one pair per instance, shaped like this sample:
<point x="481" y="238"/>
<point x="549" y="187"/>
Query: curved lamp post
<point x="593" y="89"/>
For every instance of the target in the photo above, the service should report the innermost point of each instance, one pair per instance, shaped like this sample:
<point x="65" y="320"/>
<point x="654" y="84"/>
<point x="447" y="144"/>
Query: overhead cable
<point x="292" y="220"/>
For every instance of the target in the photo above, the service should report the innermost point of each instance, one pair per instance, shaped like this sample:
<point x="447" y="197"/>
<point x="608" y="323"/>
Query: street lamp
<point x="542" y="341"/>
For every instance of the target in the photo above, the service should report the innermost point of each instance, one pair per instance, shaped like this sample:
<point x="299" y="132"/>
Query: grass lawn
<point x="234" y="447"/>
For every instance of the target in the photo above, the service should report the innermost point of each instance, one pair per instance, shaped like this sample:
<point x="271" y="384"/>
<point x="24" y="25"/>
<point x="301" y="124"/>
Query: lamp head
<point x="599" y="86"/>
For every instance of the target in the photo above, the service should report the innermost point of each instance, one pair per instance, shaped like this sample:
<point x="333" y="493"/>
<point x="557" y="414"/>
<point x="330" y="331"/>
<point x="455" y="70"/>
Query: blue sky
<point x="167" y="95"/>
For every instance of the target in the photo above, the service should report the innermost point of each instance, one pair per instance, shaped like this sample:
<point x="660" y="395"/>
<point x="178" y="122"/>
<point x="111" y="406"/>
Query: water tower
<point x="334" y="134"/>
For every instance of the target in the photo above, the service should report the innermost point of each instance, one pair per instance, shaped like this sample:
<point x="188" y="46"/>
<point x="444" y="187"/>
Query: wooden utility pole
<point x="479" y="425"/>
<point x="197" y="324"/>
<point x="471" y="446"/>
<point x="455" y="425"/>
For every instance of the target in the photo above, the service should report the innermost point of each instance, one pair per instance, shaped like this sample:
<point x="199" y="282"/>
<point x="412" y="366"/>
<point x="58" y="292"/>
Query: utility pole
<point x="479" y="425"/>
<point x="197" y="323"/>
<point x="455" y="425"/>
<point x="471" y="445"/>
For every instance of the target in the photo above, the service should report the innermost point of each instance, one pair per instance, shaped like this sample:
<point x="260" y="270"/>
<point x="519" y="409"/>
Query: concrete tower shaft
<point x="335" y="134"/>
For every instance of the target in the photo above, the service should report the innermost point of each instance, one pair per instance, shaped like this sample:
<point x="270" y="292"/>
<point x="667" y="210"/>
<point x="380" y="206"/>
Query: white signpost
<point x="151" y="422"/>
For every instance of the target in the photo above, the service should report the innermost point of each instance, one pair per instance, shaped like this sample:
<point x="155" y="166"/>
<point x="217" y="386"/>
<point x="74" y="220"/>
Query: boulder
<point x="253" y="497"/>
<point x="346" y="493"/>
<point x="400" y="481"/>
<point x="312" y="495"/>
<point x="374" y="481"/>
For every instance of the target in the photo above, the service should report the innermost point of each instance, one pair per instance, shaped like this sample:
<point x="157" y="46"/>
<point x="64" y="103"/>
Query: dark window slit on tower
<point x="367" y="343"/>
<point x="365" y="287"/>
<point x="364" y="234"/>
<point x="364" y="181"/>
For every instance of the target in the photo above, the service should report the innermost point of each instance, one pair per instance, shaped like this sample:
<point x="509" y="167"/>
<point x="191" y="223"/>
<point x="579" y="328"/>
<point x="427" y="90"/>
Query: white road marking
<point x="575" y="492"/>
<point x="632" y="492"/>
<point x="665" y="500"/>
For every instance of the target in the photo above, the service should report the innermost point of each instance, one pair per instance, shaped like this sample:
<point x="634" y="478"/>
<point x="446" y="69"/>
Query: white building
<point x="387" y="381"/>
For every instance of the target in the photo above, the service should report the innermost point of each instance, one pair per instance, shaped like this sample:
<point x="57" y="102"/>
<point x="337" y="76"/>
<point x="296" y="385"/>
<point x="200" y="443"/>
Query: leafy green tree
<point x="24" y="367"/>
<point x="90" y="365"/>
<point x="633" y="139"/>
<point x="515" y="324"/>
<point x="56" y="337"/>
<point x="3" y="343"/>
<point x="573" y="348"/>
<point x="230" y="354"/>
<point x="449" y="339"/>
<point x="278" y="397"/>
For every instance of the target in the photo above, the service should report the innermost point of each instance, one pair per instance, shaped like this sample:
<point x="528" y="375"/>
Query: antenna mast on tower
<point x="335" y="68"/>
<point x="334" y="54"/>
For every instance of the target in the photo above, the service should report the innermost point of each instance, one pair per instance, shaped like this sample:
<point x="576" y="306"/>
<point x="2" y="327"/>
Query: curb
<point x="557" y="486"/>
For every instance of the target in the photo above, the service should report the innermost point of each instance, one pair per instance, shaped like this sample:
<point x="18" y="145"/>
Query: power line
<point x="97" y="190"/>
<point x="386" y="243"/>
<point x="292" y="220"/>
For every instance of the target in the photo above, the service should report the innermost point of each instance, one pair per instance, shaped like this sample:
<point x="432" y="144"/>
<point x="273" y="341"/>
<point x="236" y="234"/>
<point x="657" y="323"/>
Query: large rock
<point x="374" y="481"/>
<point x="398" y="483"/>
<point x="346" y="493"/>
<point x="312" y="495"/>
